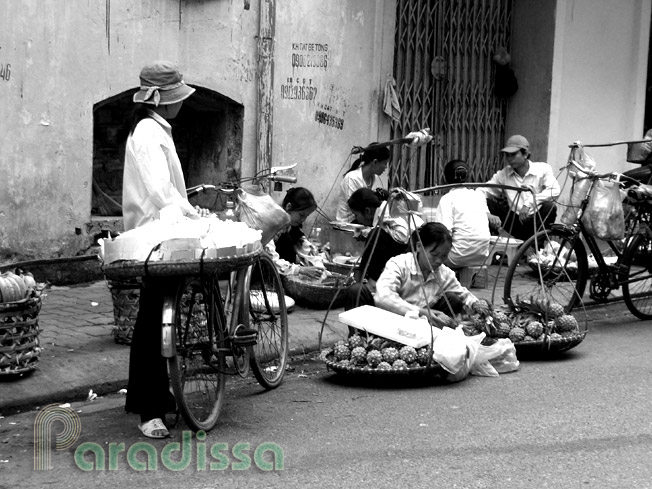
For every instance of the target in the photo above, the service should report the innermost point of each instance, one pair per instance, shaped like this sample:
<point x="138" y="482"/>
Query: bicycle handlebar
<point x="282" y="178"/>
<point x="596" y="176"/>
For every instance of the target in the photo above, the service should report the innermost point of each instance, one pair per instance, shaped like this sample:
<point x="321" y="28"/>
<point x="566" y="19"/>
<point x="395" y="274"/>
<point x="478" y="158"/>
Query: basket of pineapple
<point x="20" y="304"/>
<point x="534" y="326"/>
<point x="375" y="355"/>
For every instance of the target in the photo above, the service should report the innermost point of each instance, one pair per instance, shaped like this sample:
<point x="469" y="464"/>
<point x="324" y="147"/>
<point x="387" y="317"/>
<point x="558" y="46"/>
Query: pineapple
<point x="555" y="310"/>
<point x="566" y="322"/>
<point x="423" y="354"/>
<point x="534" y="329"/>
<point x="503" y="329"/>
<point x="517" y="334"/>
<point x="341" y="352"/>
<point x="399" y="364"/>
<point x="390" y="354"/>
<point x="384" y="366"/>
<point x="374" y="357"/>
<point x="358" y="355"/>
<point x="355" y="341"/>
<point x="408" y="354"/>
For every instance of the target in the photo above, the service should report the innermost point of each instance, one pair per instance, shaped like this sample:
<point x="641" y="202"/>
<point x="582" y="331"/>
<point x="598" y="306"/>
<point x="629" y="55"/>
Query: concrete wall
<point x="599" y="78"/>
<point x="64" y="57"/>
<point x="533" y="29"/>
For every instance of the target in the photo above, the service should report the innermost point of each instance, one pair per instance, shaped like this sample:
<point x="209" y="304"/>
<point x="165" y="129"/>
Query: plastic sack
<point x="498" y="358"/>
<point x="455" y="352"/>
<point x="604" y="217"/>
<point x="259" y="211"/>
<point x="580" y="185"/>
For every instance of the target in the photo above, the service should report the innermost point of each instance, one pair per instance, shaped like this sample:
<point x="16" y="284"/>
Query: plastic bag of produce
<point x="497" y="358"/>
<point x="580" y="185"/>
<point x="259" y="211"/>
<point x="604" y="217"/>
<point x="456" y="352"/>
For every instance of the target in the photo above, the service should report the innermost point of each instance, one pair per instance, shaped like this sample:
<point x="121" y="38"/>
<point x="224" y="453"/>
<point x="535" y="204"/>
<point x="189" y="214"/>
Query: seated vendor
<point x="464" y="212"/>
<point x="364" y="173"/>
<point x="388" y="229"/>
<point x="419" y="282"/>
<point x="291" y="251"/>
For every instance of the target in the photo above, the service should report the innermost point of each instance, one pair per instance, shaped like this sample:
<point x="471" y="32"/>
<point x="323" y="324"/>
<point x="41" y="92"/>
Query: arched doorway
<point x="207" y="134"/>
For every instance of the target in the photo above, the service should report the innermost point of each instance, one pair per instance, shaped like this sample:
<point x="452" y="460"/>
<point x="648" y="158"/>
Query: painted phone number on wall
<point x="298" y="92"/>
<point x="329" y="120"/>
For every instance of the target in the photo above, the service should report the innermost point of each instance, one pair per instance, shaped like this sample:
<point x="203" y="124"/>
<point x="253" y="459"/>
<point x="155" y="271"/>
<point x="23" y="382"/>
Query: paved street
<point x="579" y="420"/>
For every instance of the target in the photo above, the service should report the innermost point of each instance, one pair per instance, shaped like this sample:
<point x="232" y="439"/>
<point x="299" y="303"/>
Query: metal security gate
<point x="445" y="80"/>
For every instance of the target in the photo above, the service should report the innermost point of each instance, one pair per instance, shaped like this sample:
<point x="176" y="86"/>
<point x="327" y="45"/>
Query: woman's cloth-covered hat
<point x="161" y="83"/>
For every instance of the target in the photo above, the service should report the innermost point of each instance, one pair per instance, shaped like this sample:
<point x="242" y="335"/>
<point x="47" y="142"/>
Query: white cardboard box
<point x="411" y="332"/>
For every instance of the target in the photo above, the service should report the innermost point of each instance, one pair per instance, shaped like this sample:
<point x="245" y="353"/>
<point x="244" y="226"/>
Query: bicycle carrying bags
<point x="604" y="217"/>
<point x="259" y="211"/>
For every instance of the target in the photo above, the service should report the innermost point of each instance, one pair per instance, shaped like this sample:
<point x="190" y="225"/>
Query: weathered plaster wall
<point x="332" y="59"/>
<point x="63" y="57"/>
<point x="599" y="76"/>
<point x="533" y="28"/>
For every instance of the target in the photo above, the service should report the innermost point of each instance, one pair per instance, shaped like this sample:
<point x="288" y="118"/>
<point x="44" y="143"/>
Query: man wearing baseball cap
<point x="523" y="212"/>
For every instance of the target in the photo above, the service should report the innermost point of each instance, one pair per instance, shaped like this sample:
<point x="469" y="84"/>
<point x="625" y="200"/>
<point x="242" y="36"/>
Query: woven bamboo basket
<point x="126" y="298"/>
<point x="19" y="335"/>
<point x="316" y="295"/>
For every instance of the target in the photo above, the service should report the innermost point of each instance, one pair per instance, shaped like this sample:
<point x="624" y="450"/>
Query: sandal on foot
<point x="154" y="428"/>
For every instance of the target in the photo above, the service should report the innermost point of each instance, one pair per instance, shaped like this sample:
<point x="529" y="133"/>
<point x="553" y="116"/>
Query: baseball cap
<point x="515" y="143"/>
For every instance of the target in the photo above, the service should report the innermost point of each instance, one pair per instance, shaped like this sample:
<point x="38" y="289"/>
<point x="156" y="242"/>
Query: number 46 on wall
<point x="5" y="71"/>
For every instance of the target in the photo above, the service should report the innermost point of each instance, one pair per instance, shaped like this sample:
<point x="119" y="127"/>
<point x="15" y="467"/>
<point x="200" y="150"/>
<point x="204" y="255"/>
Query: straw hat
<point x="161" y="83"/>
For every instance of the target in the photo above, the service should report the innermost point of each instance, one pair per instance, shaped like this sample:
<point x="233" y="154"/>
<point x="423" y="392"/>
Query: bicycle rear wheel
<point x="637" y="289"/>
<point x="197" y="368"/>
<point x="268" y="316"/>
<point x="552" y="266"/>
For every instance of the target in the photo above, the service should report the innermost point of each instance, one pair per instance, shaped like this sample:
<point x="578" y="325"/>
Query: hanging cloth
<point x="391" y="106"/>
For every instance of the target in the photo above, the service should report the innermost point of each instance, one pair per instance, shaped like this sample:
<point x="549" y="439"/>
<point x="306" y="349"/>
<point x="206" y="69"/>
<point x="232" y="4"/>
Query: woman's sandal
<point x="154" y="428"/>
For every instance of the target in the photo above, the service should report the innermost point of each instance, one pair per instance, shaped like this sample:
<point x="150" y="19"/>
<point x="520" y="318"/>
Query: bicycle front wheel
<point x="197" y="368"/>
<point x="551" y="265"/>
<point x="637" y="289"/>
<point x="268" y="316"/>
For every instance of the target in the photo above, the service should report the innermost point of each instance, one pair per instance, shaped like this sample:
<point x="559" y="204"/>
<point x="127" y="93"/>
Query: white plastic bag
<point x="455" y="352"/>
<point x="495" y="359"/>
<point x="604" y="217"/>
<point x="259" y="211"/>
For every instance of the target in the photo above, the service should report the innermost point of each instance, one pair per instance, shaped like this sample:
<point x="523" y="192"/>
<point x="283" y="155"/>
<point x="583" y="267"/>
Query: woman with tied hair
<point x="464" y="212"/>
<point x="390" y="226"/>
<point x="364" y="173"/>
<point x="292" y="252"/>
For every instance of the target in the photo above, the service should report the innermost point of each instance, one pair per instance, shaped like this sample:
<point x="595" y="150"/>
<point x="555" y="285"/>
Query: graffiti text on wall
<point x="331" y="107"/>
<point x="298" y="89"/>
<point x="309" y="55"/>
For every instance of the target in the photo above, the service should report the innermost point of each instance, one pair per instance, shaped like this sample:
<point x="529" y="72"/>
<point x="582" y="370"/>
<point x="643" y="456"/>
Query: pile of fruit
<point x="15" y="287"/>
<point x="531" y="320"/>
<point x="377" y="353"/>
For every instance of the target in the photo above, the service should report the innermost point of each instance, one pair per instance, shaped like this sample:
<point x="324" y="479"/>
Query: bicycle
<point x="213" y="326"/>
<point x="554" y="264"/>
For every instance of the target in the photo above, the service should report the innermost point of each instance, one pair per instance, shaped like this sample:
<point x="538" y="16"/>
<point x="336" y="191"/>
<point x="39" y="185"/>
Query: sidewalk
<point x="80" y="354"/>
